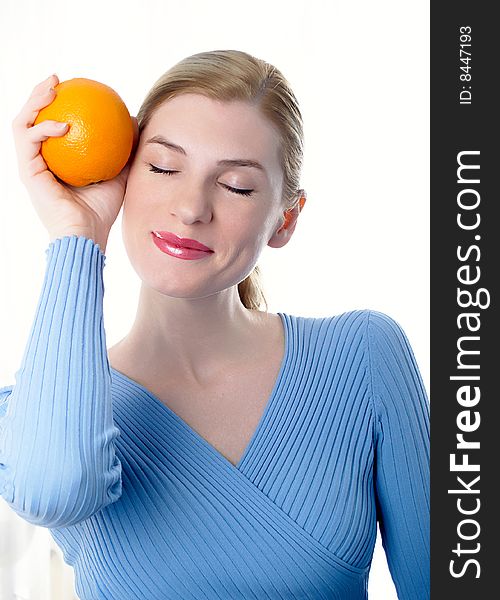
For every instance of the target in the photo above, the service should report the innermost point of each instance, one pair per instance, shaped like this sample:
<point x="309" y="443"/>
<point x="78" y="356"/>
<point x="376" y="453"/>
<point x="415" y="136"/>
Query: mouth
<point x="176" y="241"/>
<point x="179" y="251"/>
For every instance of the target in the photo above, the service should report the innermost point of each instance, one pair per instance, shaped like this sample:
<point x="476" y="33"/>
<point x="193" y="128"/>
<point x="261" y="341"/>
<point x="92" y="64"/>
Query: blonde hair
<point x="229" y="75"/>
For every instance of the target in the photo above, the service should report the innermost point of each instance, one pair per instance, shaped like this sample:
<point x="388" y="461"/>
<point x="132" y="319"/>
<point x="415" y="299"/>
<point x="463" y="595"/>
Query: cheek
<point x="135" y="219"/>
<point x="136" y="177"/>
<point x="137" y="196"/>
<point x="246" y="228"/>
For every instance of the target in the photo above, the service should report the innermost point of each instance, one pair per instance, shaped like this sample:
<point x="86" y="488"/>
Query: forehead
<point x="226" y="130"/>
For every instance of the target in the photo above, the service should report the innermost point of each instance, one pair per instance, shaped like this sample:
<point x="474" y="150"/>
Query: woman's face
<point x="199" y="200"/>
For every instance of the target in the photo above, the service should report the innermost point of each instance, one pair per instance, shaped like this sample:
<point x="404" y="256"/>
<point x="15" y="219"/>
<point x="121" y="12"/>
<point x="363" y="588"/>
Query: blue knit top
<point x="143" y="507"/>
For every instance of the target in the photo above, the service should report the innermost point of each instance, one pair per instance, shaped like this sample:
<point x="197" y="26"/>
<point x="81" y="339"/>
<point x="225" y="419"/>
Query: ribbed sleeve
<point x="57" y="454"/>
<point x="402" y="456"/>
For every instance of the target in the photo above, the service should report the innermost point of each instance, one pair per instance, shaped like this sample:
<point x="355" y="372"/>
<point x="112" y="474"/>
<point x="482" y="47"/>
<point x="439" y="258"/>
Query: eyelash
<point x="231" y="189"/>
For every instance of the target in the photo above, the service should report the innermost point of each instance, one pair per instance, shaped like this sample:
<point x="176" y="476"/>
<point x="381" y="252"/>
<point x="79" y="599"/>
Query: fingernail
<point x="61" y="125"/>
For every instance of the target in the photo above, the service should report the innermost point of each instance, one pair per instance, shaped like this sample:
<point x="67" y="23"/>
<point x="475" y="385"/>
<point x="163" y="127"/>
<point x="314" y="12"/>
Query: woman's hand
<point x="64" y="209"/>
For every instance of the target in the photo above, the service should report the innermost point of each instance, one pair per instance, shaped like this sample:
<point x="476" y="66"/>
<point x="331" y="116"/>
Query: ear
<point x="283" y="234"/>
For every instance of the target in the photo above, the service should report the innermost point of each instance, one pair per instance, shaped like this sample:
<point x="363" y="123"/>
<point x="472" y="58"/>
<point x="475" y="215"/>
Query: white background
<point x="360" y="71"/>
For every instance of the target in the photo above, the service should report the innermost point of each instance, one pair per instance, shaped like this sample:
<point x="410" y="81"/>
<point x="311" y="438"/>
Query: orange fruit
<point x="99" y="139"/>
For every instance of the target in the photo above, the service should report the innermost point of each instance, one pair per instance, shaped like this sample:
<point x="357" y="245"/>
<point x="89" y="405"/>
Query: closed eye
<point x="241" y="192"/>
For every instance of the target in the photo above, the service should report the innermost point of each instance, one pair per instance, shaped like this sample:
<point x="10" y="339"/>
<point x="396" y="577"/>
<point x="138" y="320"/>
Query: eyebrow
<point x="228" y="162"/>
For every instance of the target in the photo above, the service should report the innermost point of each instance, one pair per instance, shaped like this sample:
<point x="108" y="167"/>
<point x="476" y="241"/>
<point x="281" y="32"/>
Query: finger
<point x="41" y="96"/>
<point x="33" y="106"/>
<point x="24" y="139"/>
<point x="29" y="143"/>
<point x="51" y="81"/>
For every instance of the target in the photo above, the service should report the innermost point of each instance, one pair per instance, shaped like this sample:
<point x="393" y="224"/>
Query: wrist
<point x="90" y="234"/>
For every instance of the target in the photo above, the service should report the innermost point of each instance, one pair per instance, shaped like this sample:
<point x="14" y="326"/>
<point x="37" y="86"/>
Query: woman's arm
<point x="402" y="444"/>
<point x="57" y="457"/>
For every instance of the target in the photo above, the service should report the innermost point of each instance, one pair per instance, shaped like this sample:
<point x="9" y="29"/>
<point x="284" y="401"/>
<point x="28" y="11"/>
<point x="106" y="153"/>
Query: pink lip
<point x="179" y="251"/>
<point x="175" y="240"/>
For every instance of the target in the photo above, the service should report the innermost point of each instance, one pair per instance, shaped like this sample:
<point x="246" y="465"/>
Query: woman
<point x="217" y="451"/>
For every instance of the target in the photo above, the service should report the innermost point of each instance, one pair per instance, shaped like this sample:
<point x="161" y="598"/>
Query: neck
<point x="192" y="338"/>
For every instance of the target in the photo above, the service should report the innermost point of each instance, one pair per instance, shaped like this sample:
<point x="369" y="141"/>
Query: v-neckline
<point x="263" y="417"/>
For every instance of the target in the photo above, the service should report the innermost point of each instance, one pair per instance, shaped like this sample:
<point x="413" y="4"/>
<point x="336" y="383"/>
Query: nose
<point x="191" y="205"/>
